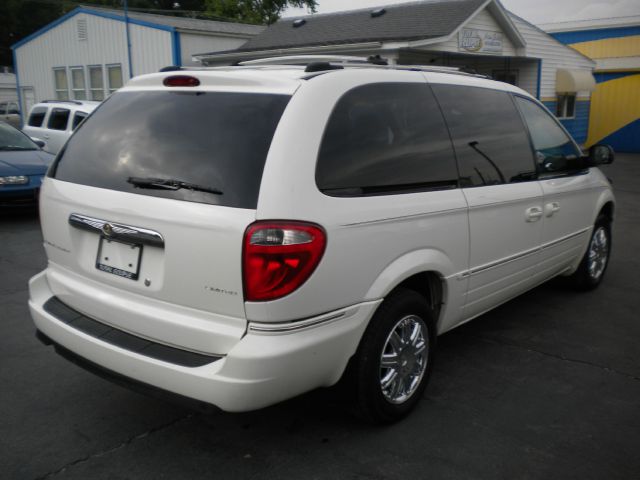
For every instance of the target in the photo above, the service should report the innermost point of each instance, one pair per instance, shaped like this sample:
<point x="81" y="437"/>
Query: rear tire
<point x="596" y="259"/>
<point x="393" y="363"/>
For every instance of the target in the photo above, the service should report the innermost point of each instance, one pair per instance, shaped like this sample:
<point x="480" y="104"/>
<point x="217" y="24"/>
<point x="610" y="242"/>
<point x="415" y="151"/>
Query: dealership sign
<point x="480" y="41"/>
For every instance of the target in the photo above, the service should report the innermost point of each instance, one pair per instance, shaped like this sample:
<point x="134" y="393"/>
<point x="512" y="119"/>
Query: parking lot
<point x="546" y="386"/>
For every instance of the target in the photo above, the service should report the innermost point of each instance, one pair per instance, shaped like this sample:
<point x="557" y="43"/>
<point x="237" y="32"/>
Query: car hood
<point x="30" y="162"/>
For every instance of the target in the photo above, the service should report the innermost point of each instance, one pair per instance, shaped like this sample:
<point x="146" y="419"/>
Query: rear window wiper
<point x="170" y="184"/>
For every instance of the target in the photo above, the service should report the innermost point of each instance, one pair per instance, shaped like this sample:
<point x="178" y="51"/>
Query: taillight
<point x="181" y="81"/>
<point x="278" y="257"/>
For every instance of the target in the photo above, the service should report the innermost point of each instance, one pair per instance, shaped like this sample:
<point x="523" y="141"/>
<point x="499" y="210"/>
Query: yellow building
<point x="614" y="44"/>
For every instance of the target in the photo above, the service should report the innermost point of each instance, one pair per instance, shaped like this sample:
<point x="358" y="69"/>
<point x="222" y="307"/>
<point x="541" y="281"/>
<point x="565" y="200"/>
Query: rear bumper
<point x="263" y="368"/>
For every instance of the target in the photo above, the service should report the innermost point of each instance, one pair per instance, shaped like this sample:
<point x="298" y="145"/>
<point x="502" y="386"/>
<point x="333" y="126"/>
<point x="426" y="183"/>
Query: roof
<point x="407" y="21"/>
<point x="182" y="23"/>
<point x="592" y="24"/>
<point x="162" y="22"/>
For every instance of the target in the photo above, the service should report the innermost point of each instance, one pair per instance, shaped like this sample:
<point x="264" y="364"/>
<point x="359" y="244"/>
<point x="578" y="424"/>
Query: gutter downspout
<point x="539" y="78"/>
<point x="15" y="69"/>
<point x="126" y="26"/>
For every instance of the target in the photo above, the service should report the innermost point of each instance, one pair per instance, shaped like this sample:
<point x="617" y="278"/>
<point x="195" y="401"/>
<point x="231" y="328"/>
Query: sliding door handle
<point x="533" y="214"/>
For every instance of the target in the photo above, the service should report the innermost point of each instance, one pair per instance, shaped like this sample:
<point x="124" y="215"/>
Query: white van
<point x="53" y="121"/>
<point x="242" y="235"/>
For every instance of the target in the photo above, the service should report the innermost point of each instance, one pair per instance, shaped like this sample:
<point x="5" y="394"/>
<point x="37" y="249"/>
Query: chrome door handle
<point x="46" y="136"/>
<point x="551" y="208"/>
<point x="533" y="214"/>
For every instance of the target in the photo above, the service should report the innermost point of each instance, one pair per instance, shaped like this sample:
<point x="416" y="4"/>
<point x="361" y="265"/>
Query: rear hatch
<point x="145" y="209"/>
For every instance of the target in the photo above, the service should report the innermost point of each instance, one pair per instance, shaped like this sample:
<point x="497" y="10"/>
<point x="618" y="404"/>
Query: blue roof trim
<point x="590" y="35"/>
<point x="88" y="11"/>
<point x="602" y="77"/>
<point x="176" y="48"/>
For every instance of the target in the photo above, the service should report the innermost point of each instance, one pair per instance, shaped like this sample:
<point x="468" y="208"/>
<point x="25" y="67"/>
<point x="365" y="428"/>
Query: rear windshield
<point x="217" y="140"/>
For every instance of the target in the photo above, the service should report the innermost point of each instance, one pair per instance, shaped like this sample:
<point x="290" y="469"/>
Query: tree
<point x="255" y="11"/>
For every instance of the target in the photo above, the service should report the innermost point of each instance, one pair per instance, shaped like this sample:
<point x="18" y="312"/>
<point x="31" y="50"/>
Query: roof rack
<point x="318" y="64"/>
<point x="75" y="102"/>
<point x="304" y="60"/>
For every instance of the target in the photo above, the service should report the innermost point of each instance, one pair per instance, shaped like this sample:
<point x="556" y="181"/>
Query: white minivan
<point x="53" y="121"/>
<point x="242" y="235"/>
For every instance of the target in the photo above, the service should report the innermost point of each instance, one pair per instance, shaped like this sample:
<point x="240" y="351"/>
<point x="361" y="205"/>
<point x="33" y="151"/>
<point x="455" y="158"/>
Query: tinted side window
<point x="385" y="138"/>
<point x="490" y="140"/>
<point x="77" y="118"/>
<point x="58" y="119"/>
<point x="13" y="109"/>
<point x="555" y="152"/>
<point x="37" y="116"/>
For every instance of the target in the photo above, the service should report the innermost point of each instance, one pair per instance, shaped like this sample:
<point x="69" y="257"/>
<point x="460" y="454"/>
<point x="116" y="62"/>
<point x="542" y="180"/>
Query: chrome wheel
<point x="404" y="359"/>
<point x="598" y="253"/>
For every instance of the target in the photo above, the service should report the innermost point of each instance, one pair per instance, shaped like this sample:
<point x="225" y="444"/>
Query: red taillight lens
<point x="181" y="81"/>
<point x="278" y="257"/>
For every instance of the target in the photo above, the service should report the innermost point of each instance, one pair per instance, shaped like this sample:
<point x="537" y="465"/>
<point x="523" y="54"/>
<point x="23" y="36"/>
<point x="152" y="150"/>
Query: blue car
<point x="22" y="167"/>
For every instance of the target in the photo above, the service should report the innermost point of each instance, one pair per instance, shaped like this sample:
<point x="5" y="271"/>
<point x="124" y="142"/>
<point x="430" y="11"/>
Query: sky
<point x="535" y="11"/>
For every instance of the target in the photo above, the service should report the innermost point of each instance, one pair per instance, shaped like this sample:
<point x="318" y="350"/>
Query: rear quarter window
<point x="217" y="140"/>
<point x="386" y="138"/>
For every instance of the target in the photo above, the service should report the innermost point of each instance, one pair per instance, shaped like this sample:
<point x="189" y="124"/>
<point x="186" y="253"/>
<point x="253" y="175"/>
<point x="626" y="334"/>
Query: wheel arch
<point x="423" y="271"/>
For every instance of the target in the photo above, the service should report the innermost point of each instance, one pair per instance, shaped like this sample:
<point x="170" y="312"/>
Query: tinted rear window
<point x="218" y="140"/>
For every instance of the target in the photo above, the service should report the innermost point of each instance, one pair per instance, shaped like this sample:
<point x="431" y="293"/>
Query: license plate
<point x="119" y="258"/>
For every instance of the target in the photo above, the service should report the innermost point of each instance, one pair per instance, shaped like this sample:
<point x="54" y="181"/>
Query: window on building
<point x="555" y="151"/>
<point x="13" y="109"/>
<point x="566" y="106"/>
<point x="58" y="119"/>
<point x="78" y="117"/>
<point x="385" y="139"/>
<point x="61" y="84"/>
<point x="96" y="82"/>
<point x="115" y="77"/>
<point x="490" y="140"/>
<point x="37" y="116"/>
<point x="78" y="84"/>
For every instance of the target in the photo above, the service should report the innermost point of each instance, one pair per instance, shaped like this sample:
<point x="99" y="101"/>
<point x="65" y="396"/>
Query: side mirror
<point x="37" y="141"/>
<point x="600" y="154"/>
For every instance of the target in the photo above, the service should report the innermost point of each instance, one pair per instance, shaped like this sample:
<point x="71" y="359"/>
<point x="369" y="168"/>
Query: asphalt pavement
<point x="546" y="386"/>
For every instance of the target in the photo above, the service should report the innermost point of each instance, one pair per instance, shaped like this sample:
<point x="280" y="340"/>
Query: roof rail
<point x="75" y="102"/>
<point x="305" y="59"/>
<point x="318" y="64"/>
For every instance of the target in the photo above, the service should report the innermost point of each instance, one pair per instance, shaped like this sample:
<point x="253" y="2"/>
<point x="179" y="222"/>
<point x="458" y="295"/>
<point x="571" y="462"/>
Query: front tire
<point x="393" y="363"/>
<point x="596" y="259"/>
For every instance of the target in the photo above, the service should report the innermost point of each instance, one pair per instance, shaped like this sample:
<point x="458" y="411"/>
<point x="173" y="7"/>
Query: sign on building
<point x="479" y="41"/>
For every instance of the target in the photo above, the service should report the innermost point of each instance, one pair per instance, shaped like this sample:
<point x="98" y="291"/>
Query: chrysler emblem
<point x="107" y="229"/>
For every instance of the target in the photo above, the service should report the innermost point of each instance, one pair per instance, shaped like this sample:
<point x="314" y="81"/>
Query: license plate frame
<point x="108" y="244"/>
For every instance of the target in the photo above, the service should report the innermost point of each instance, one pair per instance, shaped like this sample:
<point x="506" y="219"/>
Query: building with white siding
<point x="90" y="52"/>
<point x="7" y="86"/>
<point x="477" y="34"/>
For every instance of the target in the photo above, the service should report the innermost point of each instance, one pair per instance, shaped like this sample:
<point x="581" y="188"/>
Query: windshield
<point x="217" y="141"/>
<point x="12" y="139"/>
